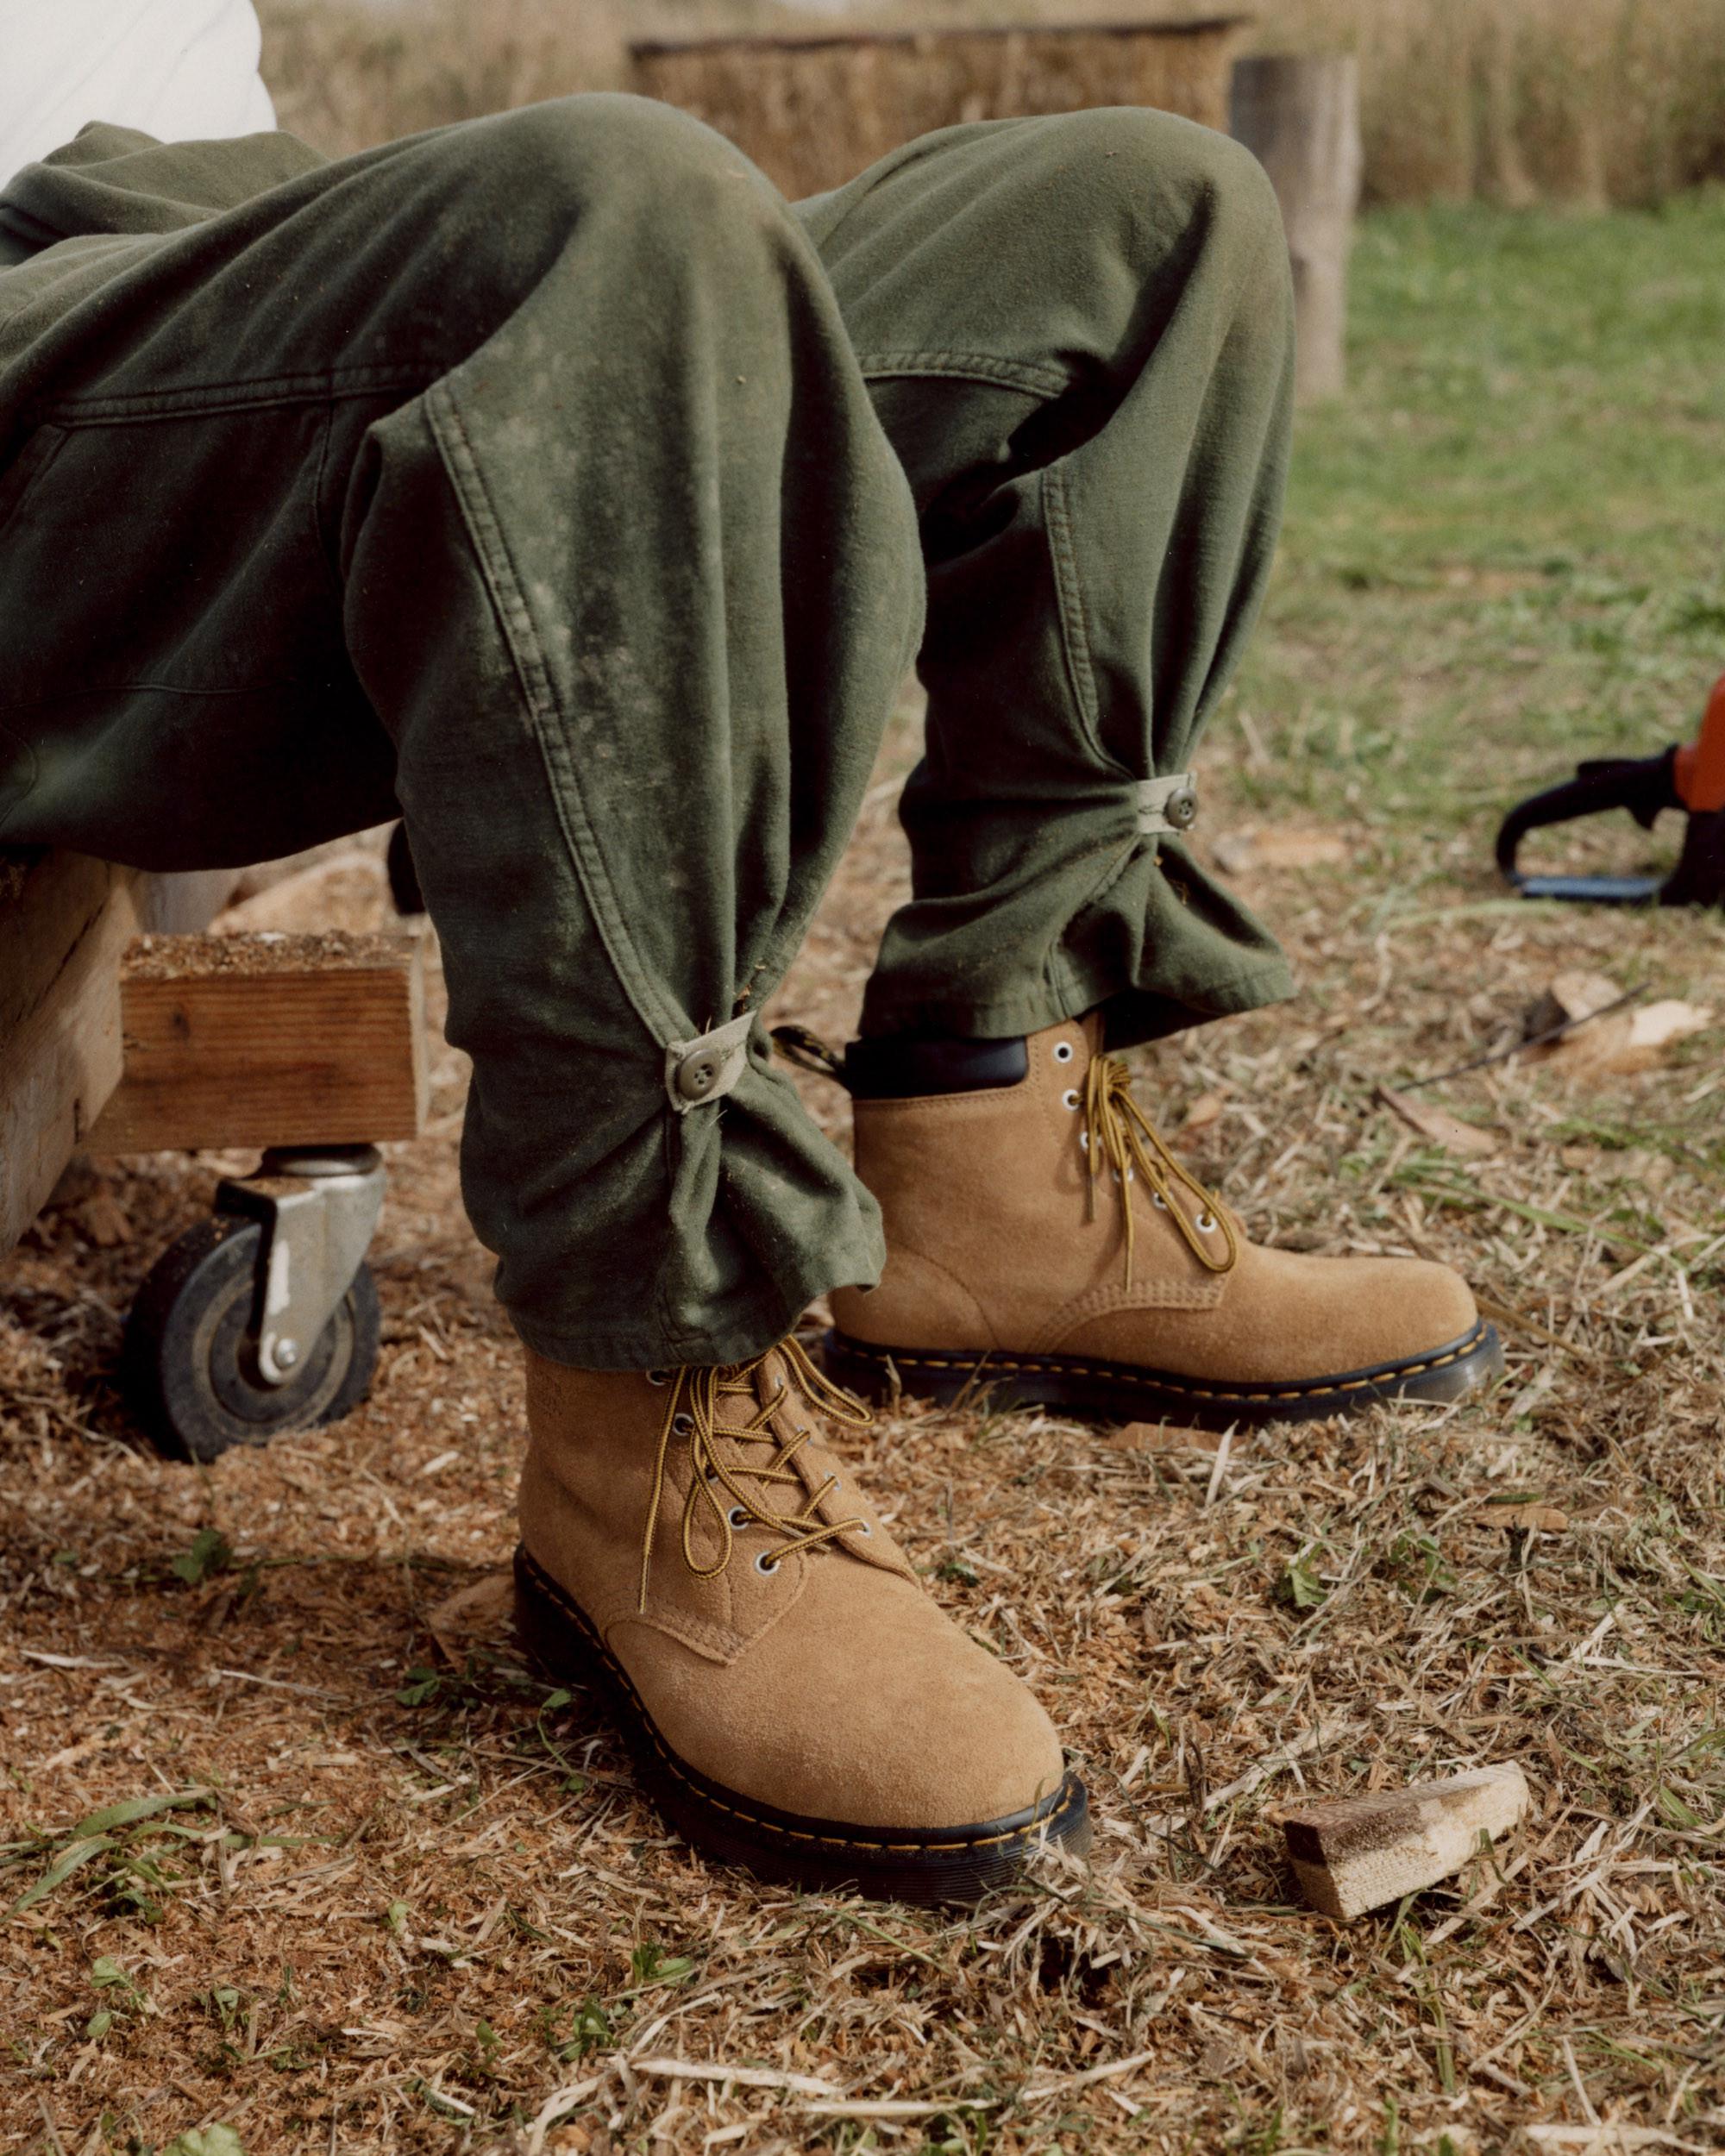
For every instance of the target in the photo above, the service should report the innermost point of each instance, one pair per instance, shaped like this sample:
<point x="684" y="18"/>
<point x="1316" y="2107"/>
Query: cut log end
<point x="1354" y="1853"/>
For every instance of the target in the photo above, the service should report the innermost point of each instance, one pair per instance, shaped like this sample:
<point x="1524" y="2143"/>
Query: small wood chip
<point x="1164" y="1436"/>
<point x="1353" y="1853"/>
<point x="1439" y="1125"/>
<point x="1571" y="998"/>
<point x="1204" y="1111"/>
<point x="1525" y="1515"/>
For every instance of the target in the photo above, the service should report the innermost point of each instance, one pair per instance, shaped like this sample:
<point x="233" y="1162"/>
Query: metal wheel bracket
<point x="318" y="1207"/>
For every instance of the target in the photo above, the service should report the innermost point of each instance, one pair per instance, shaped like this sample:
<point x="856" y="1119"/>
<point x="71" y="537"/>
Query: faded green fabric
<point x="548" y="475"/>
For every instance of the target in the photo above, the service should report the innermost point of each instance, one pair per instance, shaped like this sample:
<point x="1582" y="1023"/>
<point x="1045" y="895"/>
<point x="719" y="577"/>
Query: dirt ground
<point x="371" y="1886"/>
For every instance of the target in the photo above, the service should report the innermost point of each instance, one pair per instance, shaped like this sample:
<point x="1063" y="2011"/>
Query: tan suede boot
<point x="795" y="1703"/>
<point x="1042" y="1240"/>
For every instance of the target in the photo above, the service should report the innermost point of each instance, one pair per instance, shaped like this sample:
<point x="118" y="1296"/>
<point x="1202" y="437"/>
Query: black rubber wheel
<point x="190" y="1371"/>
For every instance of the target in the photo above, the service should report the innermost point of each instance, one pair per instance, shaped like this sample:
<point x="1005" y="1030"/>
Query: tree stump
<point x="1299" y="115"/>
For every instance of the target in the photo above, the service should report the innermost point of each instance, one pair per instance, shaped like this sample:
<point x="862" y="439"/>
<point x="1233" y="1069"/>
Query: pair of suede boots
<point x="692" y="1545"/>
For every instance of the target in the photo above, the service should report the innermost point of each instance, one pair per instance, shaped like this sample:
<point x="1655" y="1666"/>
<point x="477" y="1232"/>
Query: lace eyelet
<point x="1158" y="1201"/>
<point x="863" y="1530"/>
<point x="1070" y="1098"/>
<point x="682" y="1424"/>
<point x="1206" y="1224"/>
<point x="738" y="1518"/>
<point x="1062" y="1051"/>
<point x="766" y="1564"/>
<point x="658" y="1377"/>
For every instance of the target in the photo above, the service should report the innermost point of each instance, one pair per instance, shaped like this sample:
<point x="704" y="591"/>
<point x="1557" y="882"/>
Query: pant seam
<point x="322" y="543"/>
<point x="194" y="401"/>
<point x="1074" y="630"/>
<point x="573" y="819"/>
<point x="974" y="367"/>
<point x="443" y="416"/>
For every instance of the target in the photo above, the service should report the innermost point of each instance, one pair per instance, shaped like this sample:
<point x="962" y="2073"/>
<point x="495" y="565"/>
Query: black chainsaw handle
<point x="1643" y="785"/>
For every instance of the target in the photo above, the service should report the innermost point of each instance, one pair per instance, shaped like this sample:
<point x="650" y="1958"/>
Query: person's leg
<point x="522" y="469"/>
<point x="526" y="468"/>
<point x="1077" y="332"/>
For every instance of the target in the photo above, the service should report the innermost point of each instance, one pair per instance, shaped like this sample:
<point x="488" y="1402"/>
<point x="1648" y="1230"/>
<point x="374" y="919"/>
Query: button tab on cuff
<point x="703" y="1070"/>
<point x="1167" y="805"/>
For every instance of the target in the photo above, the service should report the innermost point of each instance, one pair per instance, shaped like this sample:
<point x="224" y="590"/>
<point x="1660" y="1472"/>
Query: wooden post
<point x="1299" y="115"/>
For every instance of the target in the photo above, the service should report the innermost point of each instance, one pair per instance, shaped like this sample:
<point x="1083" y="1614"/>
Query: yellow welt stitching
<point x="1315" y="1390"/>
<point x="767" y="1826"/>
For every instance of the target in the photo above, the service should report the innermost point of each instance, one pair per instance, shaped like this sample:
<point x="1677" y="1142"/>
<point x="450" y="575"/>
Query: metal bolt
<point x="286" y="1354"/>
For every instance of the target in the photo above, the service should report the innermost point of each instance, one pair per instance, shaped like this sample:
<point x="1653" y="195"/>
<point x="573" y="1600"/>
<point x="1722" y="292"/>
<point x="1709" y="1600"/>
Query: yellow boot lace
<point x="1118" y="1134"/>
<point x="696" y="1411"/>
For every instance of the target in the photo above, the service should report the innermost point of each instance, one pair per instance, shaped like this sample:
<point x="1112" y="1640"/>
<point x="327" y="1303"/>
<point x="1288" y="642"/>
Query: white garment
<point x="179" y="69"/>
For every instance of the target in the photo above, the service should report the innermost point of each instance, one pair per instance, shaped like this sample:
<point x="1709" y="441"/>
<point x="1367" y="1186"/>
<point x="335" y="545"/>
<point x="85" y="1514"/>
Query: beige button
<point x="697" y="1075"/>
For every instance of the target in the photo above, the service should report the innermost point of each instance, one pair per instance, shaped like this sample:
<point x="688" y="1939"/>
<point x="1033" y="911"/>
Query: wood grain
<point x="66" y="920"/>
<point x="281" y="1040"/>
<point x="1353" y="1853"/>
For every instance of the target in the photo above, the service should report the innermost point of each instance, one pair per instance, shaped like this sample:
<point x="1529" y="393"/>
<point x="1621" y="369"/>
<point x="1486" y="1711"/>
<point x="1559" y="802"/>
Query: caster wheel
<point x="189" y="1370"/>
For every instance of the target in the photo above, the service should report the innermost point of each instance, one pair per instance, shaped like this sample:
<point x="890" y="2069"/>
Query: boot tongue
<point x="774" y="1384"/>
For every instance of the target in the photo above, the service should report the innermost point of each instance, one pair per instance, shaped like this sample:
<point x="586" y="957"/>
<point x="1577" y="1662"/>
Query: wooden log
<point x="268" y="1040"/>
<point x="65" y="921"/>
<point x="814" y="111"/>
<point x="1299" y="115"/>
<point x="1353" y="1853"/>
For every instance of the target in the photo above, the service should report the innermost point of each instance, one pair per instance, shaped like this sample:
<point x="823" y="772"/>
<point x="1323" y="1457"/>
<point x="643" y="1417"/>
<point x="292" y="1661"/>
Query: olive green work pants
<point x="549" y="475"/>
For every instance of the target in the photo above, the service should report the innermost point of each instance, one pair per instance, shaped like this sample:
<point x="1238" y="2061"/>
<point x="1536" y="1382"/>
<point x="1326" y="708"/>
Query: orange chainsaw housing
<point x="1699" y="767"/>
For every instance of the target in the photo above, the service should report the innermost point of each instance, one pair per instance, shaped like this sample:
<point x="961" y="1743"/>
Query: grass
<point x="299" y="1856"/>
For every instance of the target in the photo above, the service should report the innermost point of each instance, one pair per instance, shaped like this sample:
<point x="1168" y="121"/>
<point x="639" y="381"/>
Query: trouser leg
<point x="539" y="441"/>
<point x="1078" y="333"/>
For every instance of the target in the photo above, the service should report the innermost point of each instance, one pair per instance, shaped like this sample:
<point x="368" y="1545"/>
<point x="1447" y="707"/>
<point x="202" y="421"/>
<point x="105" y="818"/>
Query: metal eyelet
<point x="863" y="1530"/>
<point x="658" y="1377"/>
<point x="1158" y="1201"/>
<point x="1063" y="1051"/>
<point x="682" y="1424"/>
<point x="738" y="1518"/>
<point x="1070" y="1098"/>
<point x="1206" y="1224"/>
<point x="1084" y="1141"/>
<point x="766" y="1564"/>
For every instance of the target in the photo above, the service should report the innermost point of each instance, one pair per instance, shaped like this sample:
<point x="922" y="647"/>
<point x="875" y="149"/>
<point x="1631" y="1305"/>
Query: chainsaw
<point x="1691" y="777"/>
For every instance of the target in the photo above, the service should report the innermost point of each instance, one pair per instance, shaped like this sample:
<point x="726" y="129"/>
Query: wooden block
<point x="268" y="1040"/>
<point x="65" y="921"/>
<point x="1353" y="1854"/>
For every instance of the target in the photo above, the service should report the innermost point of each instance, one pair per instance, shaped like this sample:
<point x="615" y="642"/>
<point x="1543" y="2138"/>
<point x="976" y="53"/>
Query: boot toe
<point x="872" y="1709"/>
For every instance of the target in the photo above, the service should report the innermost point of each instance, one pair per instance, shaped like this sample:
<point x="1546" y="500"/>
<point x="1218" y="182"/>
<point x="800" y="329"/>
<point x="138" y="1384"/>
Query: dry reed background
<point x="1580" y="101"/>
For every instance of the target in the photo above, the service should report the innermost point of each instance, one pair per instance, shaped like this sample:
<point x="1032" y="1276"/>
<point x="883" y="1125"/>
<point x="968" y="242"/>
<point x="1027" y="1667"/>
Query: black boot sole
<point x="926" y="1865"/>
<point x="1127" y="1392"/>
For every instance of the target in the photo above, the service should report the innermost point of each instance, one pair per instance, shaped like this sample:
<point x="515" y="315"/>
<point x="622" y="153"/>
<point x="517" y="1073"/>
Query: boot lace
<point x="700" y="1411"/>
<point x="1118" y="1134"/>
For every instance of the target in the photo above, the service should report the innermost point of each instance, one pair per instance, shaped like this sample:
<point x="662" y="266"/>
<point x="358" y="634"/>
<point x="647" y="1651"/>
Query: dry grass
<point x="399" y="1898"/>
<point x="1581" y="100"/>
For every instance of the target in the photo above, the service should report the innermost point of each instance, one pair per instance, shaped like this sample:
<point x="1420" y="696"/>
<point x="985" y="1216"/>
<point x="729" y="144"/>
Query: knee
<point x="618" y="157"/>
<point x="1172" y="176"/>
